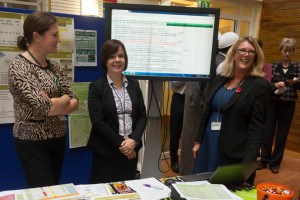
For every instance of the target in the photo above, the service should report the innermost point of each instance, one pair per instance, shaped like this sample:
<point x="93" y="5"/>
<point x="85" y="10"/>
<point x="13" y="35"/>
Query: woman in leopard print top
<point x="42" y="98"/>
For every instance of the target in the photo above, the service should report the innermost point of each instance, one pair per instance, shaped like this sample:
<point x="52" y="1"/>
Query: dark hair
<point x="39" y="22"/>
<point x="224" y="50"/>
<point x="109" y="48"/>
<point x="260" y="43"/>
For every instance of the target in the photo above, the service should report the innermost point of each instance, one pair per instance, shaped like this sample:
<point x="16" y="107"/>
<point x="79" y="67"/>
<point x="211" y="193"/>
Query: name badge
<point x="216" y="126"/>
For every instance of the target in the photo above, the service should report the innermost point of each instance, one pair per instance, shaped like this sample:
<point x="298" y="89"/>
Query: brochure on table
<point x="134" y="189"/>
<point x="145" y="189"/>
<point x="203" y="190"/>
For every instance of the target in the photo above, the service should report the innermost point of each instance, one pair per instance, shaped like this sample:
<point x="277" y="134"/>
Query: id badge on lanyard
<point x="216" y="126"/>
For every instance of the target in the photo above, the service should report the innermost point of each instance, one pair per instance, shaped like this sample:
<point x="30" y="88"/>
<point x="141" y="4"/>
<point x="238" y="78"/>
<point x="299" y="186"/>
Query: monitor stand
<point x="150" y="159"/>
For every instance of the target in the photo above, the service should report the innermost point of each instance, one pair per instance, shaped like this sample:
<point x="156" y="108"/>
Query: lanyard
<point x="54" y="78"/>
<point x="220" y="102"/>
<point x="123" y="107"/>
<point x="221" y="96"/>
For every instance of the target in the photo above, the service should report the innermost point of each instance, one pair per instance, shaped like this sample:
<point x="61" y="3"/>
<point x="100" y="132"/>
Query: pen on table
<point x="153" y="186"/>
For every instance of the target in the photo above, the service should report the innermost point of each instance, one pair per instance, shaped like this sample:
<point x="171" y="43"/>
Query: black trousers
<point x="112" y="169"/>
<point x="176" y="121"/>
<point x="279" y="118"/>
<point x="42" y="161"/>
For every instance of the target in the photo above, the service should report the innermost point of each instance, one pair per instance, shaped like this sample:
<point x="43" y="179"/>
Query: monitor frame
<point x="109" y="7"/>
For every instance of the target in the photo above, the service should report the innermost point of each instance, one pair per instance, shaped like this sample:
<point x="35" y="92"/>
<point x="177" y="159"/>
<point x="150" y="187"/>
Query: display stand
<point x="151" y="161"/>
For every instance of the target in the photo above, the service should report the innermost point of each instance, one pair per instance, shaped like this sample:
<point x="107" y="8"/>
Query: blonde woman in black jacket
<point x="235" y="112"/>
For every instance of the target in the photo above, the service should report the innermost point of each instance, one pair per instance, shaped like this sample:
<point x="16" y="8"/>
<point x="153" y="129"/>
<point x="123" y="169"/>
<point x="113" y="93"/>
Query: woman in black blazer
<point x="118" y="117"/>
<point x="234" y="115"/>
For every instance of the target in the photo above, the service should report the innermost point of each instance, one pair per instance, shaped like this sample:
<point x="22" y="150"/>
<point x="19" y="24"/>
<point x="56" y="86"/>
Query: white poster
<point x="86" y="47"/>
<point x="11" y="28"/>
<point x="6" y="106"/>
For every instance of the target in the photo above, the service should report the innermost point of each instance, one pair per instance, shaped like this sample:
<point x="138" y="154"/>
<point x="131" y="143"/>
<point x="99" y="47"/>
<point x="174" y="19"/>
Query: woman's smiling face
<point x="244" y="56"/>
<point x="116" y="62"/>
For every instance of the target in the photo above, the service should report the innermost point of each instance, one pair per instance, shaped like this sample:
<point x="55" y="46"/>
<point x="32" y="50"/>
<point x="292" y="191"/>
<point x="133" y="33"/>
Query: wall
<point x="279" y="19"/>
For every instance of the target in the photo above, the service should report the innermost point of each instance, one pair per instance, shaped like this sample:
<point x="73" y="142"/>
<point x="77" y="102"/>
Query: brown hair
<point x="39" y="22"/>
<point x="109" y="48"/>
<point x="256" y="68"/>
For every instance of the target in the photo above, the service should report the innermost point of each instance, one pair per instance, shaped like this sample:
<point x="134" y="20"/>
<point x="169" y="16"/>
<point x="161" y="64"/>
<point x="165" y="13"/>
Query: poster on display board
<point x="86" y="48"/>
<point x="79" y="121"/>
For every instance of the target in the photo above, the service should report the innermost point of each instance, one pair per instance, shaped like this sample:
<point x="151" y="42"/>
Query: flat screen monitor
<point x="165" y="42"/>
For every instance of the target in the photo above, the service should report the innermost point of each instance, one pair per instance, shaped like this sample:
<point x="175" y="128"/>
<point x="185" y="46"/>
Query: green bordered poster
<point x="79" y="121"/>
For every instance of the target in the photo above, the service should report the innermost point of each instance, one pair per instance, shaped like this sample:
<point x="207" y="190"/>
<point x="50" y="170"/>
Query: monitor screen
<point x="165" y="42"/>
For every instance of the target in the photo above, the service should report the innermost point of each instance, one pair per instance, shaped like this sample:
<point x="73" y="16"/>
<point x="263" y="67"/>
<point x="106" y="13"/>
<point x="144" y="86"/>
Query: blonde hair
<point x="287" y="44"/>
<point x="256" y="67"/>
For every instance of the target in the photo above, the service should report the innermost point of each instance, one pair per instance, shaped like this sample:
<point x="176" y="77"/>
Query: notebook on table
<point x="228" y="175"/>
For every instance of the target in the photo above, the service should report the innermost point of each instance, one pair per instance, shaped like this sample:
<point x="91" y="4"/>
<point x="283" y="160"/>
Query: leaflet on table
<point x="92" y="189"/>
<point x="132" y="196"/>
<point x="134" y="189"/>
<point x="190" y="190"/>
<point x="149" y="193"/>
<point x="7" y="197"/>
<point x="105" y="189"/>
<point x="114" y="190"/>
<point x="44" y="193"/>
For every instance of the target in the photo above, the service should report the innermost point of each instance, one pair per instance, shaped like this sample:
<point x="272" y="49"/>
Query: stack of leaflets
<point x="201" y="190"/>
<point x="56" y="192"/>
<point x="115" y="190"/>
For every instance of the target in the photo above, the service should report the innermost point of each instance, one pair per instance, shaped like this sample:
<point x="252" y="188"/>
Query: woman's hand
<point x="127" y="147"/>
<point x="44" y="94"/>
<point x="59" y="105"/>
<point x="279" y="84"/>
<point x="196" y="149"/>
<point x="131" y="155"/>
<point x="293" y="81"/>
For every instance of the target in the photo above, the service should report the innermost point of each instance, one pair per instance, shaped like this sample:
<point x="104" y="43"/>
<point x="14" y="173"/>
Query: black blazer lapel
<point x="110" y="101"/>
<point x="215" y="86"/>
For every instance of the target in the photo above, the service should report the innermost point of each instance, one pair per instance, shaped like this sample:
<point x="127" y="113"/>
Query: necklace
<point x="32" y="56"/>
<point x="233" y="84"/>
<point x="224" y="93"/>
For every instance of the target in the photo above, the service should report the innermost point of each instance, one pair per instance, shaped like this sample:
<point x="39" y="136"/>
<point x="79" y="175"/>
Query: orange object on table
<point x="273" y="191"/>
